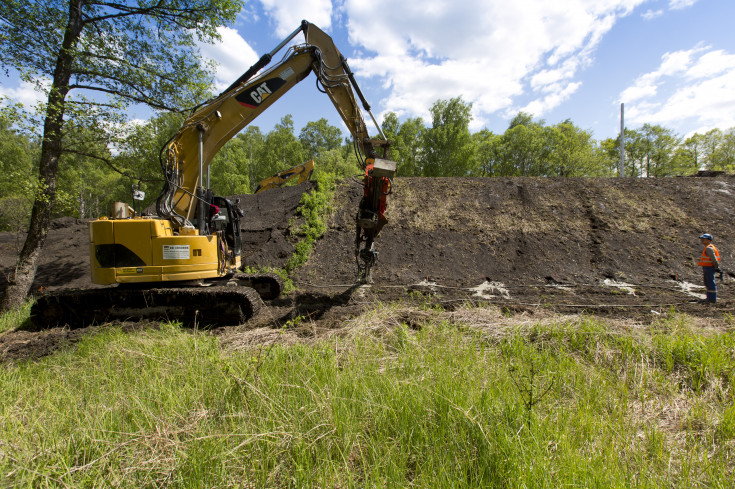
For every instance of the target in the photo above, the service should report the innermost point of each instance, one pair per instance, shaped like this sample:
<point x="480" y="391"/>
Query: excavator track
<point x="268" y="285"/>
<point x="201" y="306"/>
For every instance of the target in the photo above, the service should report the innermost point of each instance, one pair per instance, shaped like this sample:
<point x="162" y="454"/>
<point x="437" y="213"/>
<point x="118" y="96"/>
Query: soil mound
<point x="575" y="229"/>
<point x="579" y="241"/>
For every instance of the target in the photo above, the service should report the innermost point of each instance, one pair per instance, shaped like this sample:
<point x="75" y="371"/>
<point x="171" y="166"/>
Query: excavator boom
<point x="188" y="155"/>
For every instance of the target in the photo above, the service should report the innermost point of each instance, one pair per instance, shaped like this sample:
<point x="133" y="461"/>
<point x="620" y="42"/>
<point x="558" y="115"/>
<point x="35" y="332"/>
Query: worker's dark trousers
<point x="709" y="283"/>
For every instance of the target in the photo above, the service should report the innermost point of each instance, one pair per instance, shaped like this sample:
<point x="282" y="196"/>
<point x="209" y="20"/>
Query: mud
<point x="622" y="248"/>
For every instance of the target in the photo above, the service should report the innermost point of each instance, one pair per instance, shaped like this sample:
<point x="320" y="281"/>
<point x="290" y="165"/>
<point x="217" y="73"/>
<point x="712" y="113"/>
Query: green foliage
<point x="447" y="146"/>
<point x="288" y="285"/>
<point x="18" y="187"/>
<point x="91" y="175"/>
<point x="280" y="150"/>
<point x="407" y="148"/>
<point x="314" y="208"/>
<point x="136" y="53"/>
<point x="319" y="136"/>
<point x="718" y="149"/>
<point x="231" y="169"/>
<point x="523" y="148"/>
<point x="572" y="152"/>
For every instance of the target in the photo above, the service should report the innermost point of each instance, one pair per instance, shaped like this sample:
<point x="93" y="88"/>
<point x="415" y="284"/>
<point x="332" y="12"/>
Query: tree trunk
<point x="21" y="279"/>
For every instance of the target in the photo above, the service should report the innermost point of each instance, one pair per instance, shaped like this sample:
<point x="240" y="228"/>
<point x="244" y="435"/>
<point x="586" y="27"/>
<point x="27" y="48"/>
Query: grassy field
<point x="403" y="396"/>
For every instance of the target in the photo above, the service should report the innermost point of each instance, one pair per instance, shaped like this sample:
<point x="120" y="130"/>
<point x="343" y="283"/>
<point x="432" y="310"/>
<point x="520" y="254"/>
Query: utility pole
<point x="621" y="169"/>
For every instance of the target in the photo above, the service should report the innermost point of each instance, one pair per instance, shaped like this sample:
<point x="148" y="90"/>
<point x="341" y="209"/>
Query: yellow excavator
<point x="303" y="171"/>
<point x="183" y="263"/>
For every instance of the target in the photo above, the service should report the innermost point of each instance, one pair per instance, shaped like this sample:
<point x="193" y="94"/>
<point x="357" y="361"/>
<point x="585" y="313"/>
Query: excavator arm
<point x="186" y="157"/>
<point x="303" y="171"/>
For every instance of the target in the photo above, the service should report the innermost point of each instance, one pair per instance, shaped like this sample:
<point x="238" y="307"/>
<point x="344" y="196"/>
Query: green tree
<point x="233" y="168"/>
<point x="18" y="154"/>
<point x="721" y="154"/>
<point x="711" y="141"/>
<point x="319" y="136"/>
<point x="636" y="149"/>
<point x="658" y="145"/>
<point x="82" y="180"/>
<point x="689" y="153"/>
<point x="406" y="143"/>
<point x="449" y="150"/>
<point x="572" y="151"/>
<point x="281" y="150"/>
<point x="100" y="56"/>
<point x="728" y="150"/>
<point x="607" y="153"/>
<point x="524" y="149"/>
<point x="489" y="153"/>
<point x="138" y="162"/>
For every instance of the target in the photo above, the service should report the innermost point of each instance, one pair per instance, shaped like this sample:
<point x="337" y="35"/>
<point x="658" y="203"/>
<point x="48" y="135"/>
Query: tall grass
<point x="436" y="402"/>
<point x="13" y="318"/>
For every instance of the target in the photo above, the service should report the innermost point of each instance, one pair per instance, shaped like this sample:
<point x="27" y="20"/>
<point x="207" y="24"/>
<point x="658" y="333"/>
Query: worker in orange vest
<point x="710" y="263"/>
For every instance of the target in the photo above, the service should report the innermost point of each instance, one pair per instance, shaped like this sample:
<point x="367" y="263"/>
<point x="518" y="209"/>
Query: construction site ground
<point x="625" y="249"/>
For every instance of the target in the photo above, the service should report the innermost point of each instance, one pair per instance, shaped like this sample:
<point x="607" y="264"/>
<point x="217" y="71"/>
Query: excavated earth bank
<point x="614" y="247"/>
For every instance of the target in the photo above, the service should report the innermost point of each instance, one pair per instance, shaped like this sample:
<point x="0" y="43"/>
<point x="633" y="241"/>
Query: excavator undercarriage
<point x="228" y="300"/>
<point x="206" y="306"/>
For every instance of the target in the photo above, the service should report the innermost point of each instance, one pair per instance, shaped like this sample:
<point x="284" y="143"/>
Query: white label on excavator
<point x="176" y="252"/>
<point x="287" y="73"/>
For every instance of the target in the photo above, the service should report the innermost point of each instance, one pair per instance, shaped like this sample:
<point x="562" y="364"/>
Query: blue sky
<point x="672" y="62"/>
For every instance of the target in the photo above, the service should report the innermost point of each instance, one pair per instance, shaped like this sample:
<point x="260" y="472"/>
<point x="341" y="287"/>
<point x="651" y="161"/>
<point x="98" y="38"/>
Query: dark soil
<point x="524" y="244"/>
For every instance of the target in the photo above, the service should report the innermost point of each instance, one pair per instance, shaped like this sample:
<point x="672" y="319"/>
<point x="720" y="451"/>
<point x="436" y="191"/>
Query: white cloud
<point x="695" y="86"/>
<point x="712" y="63"/>
<point x="679" y="63"/>
<point x="233" y="56"/>
<point x="288" y="14"/>
<point x="490" y="52"/>
<point x="553" y="99"/>
<point x="680" y="4"/>
<point x="25" y="93"/>
<point x="652" y="14"/>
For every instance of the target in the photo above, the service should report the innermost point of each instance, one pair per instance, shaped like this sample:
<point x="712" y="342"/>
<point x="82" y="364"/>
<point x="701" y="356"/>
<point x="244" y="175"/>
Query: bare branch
<point x="142" y="100"/>
<point x="125" y="63"/>
<point x="159" y="10"/>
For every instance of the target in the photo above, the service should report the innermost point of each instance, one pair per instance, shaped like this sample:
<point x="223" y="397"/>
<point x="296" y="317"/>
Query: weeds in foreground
<point x="428" y="403"/>
<point x="12" y="319"/>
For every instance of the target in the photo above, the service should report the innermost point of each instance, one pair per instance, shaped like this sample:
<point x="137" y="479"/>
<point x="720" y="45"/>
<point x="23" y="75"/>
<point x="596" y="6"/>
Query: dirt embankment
<point x="461" y="230"/>
<point x="623" y="247"/>
<point x="582" y="243"/>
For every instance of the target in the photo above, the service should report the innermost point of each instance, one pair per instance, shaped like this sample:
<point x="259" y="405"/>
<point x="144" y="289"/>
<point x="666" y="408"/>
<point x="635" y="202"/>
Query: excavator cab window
<point x="228" y="221"/>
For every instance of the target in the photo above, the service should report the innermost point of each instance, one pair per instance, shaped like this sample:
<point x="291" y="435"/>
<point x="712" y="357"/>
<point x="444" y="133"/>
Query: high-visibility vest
<point x="706" y="261"/>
